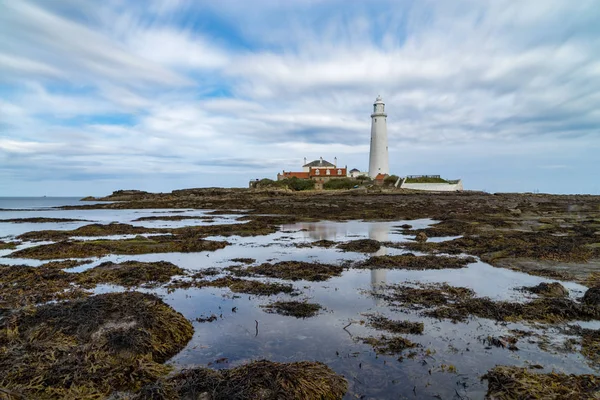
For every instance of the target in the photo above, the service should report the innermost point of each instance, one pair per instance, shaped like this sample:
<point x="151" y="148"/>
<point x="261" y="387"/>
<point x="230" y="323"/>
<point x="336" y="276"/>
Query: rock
<point x="421" y="237"/>
<point x="592" y="296"/>
<point x="514" y="211"/>
<point x="545" y="289"/>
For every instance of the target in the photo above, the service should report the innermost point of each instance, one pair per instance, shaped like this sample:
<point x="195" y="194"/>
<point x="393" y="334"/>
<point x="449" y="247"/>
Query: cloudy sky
<point x="165" y="94"/>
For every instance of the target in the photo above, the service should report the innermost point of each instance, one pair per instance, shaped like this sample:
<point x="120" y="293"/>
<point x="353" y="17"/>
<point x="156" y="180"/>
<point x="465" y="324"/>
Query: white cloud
<point x="124" y="89"/>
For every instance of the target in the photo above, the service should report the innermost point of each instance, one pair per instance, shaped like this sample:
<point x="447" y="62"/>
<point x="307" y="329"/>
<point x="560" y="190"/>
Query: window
<point x="317" y="172"/>
<point x="339" y="171"/>
<point x="327" y="172"/>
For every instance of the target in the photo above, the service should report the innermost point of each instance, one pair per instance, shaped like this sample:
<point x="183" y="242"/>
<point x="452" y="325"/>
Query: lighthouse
<point x="378" y="158"/>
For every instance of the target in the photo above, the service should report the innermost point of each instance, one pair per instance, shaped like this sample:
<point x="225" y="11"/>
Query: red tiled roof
<point x="380" y="177"/>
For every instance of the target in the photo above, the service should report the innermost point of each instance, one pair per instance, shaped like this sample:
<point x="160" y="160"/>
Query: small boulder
<point x="421" y="237"/>
<point x="592" y="296"/>
<point x="545" y="289"/>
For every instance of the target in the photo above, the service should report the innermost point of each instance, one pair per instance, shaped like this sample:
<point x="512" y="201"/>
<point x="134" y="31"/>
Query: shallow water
<point x="245" y="332"/>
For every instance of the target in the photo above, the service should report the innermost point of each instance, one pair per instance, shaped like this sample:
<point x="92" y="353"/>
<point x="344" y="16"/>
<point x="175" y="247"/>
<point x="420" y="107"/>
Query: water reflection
<point x="380" y="233"/>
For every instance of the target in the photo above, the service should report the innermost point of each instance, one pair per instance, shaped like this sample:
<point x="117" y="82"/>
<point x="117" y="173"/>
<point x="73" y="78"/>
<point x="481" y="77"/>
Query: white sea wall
<point x="435" y="187"/>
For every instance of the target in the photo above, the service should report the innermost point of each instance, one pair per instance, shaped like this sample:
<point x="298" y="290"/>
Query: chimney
<point x="321" y="160"/>
<point x="304" y="161"/>
<point x="335" y="162"/>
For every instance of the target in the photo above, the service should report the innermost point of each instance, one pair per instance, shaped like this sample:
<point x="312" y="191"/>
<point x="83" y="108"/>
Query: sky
<point x="157" y="95"/>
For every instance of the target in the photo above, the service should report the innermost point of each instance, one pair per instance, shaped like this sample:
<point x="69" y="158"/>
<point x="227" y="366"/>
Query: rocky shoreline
<point x="123" y="352"/>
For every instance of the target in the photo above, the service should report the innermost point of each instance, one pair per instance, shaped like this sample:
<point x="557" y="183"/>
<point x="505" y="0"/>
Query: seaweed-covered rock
<point x="553" y="289"/>
<point x="265" y="380"/>
<point x="382" y="323"/>
<point x="237" y="285"/>
<point x="132" y="273"/>
<point x="295" y="270"/>
<point x="361" y="245"/>
<point x="102" y="247"/>
<point x="421" y="237"/>
<point x="298" y="309"/>
<point x="90" y="348"/>
<point x="519" y="383"/>
<point x="592" y="296"/>
<point x="389" y="345"/>
<point x="410" y="261"/>
<point x="22" y="285"/>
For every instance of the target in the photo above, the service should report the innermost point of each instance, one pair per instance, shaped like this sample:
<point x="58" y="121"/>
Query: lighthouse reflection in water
<point x="353" y="230"/>
<point x="379" y="232"/>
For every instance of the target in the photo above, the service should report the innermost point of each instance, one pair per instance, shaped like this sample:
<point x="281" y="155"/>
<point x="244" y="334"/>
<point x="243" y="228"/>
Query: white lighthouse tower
<point x="378" y="158"/>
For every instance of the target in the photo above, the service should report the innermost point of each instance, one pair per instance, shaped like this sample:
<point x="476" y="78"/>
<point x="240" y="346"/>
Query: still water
<point x="244" y="332"/>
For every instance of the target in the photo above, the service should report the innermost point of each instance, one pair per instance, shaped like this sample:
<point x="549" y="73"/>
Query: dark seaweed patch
<point x="263" y="379"/>
<point x="90" y="348"/>
<point x="298" y="309"/>
<point x="514" y="382"/>
<point x="410" y="261"/>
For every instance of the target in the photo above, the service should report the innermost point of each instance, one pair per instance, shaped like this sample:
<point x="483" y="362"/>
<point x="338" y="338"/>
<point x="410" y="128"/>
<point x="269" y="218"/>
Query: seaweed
<point x="91" y="230"/>
<point x="361" y="245"/>
<point x="174" y="218"/>
<point x="243" y="260"/>
<point x="426" y="296"/>
<point x="41" y="220"/>
<point x="448" y="227"/>
<point x="138" y="245"/>
<point x="236" y="285"/>
<point x="410" y="261"/>
<point x="21" y="286"/>
<point x="547" y="310"/>
<point x="491" y="246"/>
<point x="592" y="296"/>
<point x="298" y="309"/>
<point x="317" y="243"/>
<point x="8" y="245"/>
<point x="506" y="342"/>
<point x="295" y="270"/>
<point x="262" y="379"/>
<point x="458" y="304"/>
<point x="131" y="273"/>
<point x="389" y="345"/>
<point x="63" y="264"/>
<point x="515" y="382"/>
<point x="382" y="323"/>
<point x="90" y="348"/>
<point x="590" y="343"/>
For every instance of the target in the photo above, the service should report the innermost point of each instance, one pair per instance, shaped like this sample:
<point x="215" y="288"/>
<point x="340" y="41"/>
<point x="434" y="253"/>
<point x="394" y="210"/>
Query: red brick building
<point x="319" y="170"/>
